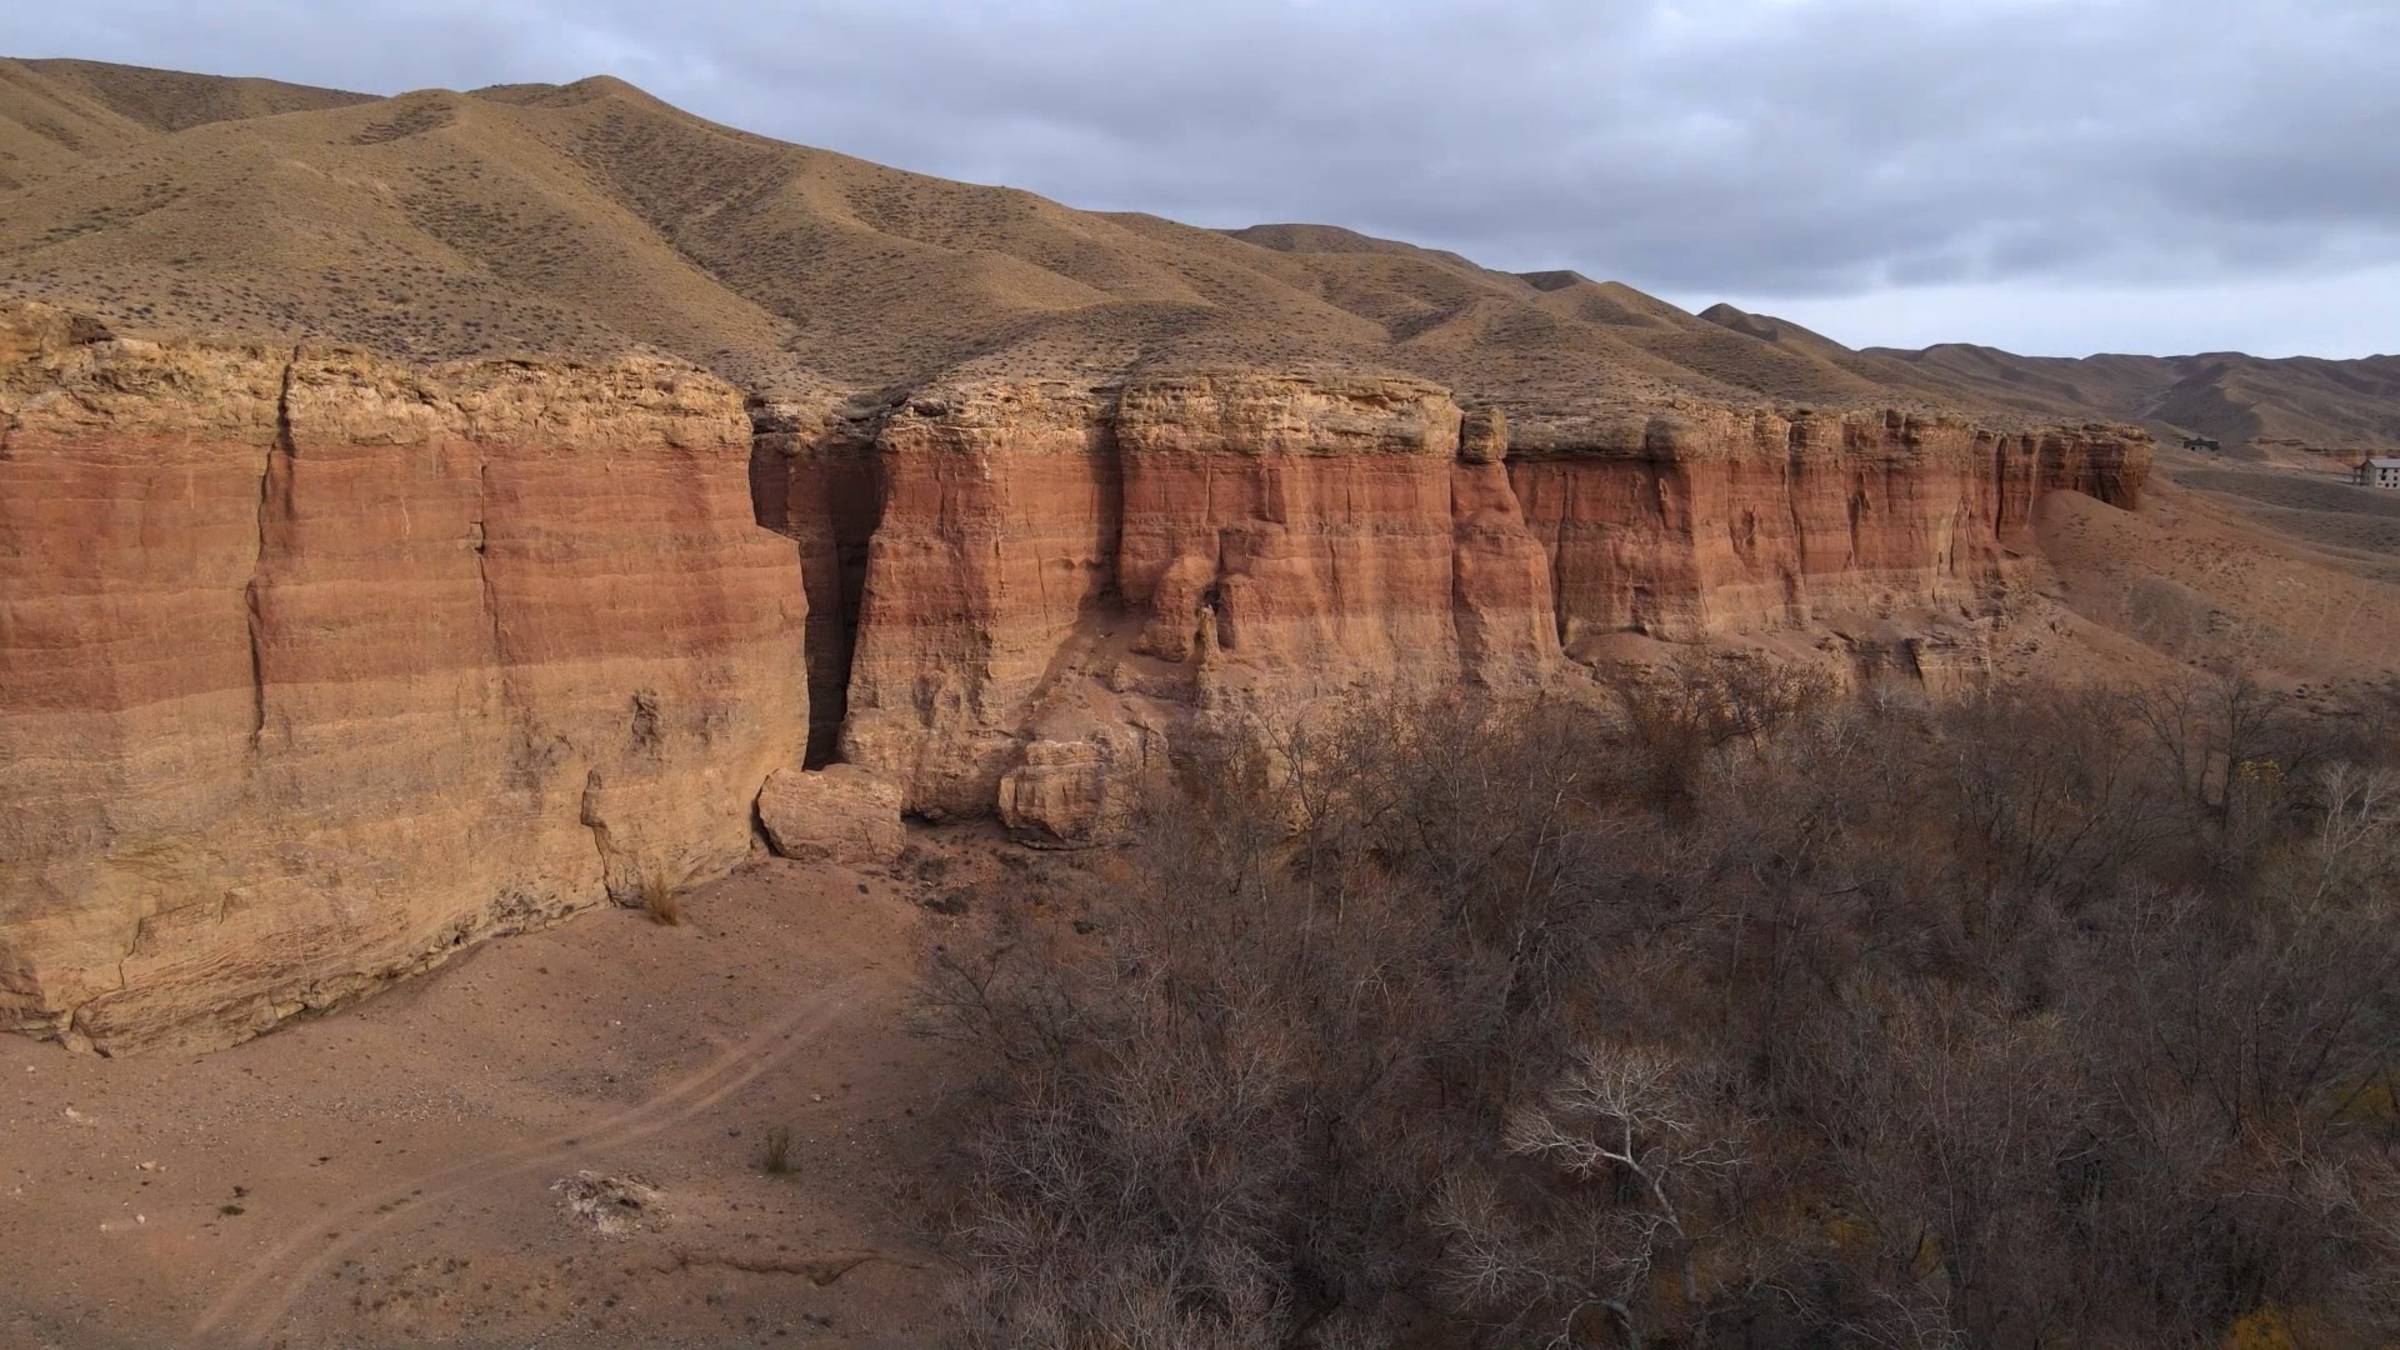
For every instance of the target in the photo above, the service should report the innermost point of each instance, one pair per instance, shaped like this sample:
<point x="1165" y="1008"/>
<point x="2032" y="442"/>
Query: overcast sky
<point x="2051" y="176"/>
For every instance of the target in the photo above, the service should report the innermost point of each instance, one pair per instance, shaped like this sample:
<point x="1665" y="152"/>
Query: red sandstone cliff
<point x="315" y="666"/>
<point x="1048" y="563"/>
<point x="1699" y="522"/>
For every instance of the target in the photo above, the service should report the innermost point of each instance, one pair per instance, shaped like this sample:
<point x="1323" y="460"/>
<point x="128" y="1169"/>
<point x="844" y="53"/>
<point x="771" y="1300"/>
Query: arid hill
<point x="423" y="519"/>
<point x="589" y="218"/>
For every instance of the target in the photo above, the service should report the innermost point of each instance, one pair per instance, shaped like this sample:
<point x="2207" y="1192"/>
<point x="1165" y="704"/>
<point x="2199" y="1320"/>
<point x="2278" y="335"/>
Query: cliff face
<point x="314" y="667"/>
<point x="1288" y="523"/>
<point x="813" y="479"/>
<point x="1049" y="563"/>
<point x="1707" y="522"/>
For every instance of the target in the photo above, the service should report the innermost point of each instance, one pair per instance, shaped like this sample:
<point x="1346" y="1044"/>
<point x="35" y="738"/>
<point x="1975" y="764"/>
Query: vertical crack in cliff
<point x="1557" y="543"/>
<point x="1859" y="509"/>
<point x="1458" y="585"/>
<point x="515" y="708"/>
<point x="1338" y="619"/>
<point x="1041" y="582"/>
<point x="274" y="493"/>
<point x="820" y="484"/>
<point x="2001" y="523"/>
<point x="483" y="574"/>
<point x="1795" y="583"/>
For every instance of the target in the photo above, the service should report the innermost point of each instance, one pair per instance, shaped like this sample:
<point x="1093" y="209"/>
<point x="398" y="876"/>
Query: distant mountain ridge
<point x="2308" y="403"/>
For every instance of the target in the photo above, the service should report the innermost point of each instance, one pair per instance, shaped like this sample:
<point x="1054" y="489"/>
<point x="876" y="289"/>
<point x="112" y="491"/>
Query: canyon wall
<point x="812" y="479"/>
<point x="315" y="667"/>
<point x="998" y="524"/>
<point x="1697" y="523"/>
<point x="1050" y="565"/>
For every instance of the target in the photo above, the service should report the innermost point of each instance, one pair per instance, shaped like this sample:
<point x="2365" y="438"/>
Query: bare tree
<point x="1624" y="1132"/>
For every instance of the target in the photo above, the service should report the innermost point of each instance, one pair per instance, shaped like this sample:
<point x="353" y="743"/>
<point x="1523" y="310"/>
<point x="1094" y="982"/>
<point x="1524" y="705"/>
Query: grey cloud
<point x="1799" y="152"/>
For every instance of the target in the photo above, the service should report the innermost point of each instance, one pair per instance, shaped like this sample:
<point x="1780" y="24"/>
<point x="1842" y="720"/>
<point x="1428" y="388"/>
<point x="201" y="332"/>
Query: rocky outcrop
<point x="999" y="511"/>
<point x="812" y="478"/>
<point x="1502" y="597"/>
<point x="1309" y="519"/>
<point x="840" y="813"/>
<point x="1173" y="540"/>
<point x="1078" y="794"/>
<point x="316" y="667"/>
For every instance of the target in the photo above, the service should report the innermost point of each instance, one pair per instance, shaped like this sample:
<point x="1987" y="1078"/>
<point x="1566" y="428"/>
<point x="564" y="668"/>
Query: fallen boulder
<point x="841" y="813"/>
<point x="1075" y="794"/>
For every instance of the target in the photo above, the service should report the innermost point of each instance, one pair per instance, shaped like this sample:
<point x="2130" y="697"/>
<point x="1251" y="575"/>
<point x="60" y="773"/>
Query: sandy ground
<point x="384" y="1176"/>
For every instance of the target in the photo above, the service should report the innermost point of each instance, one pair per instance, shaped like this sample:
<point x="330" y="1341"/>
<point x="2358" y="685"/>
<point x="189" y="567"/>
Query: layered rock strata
<point x="1081" y="793"/>
<point x="314" y="667"/>
<point x="994" y="553"/>
<point x="812" y="478"/>
<point x="1048" y="559"/>
<point x="1704" y="522"/>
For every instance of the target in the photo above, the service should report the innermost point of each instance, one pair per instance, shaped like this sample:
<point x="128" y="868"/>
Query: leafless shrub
<point x="1748" y="1016"/>
<point x="1623" y="1148"/>
<point x="1674" y="721"/>
<point x="2231" y="750"/>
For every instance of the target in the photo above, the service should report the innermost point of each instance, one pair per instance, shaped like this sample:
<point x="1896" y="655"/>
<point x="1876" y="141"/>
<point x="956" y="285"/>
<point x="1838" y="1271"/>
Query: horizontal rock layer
<point x="314" y="667"/>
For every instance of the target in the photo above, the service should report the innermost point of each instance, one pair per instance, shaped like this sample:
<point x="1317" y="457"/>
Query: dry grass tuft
<point x="660" y="901"/>
<point x="775" y="1156"/>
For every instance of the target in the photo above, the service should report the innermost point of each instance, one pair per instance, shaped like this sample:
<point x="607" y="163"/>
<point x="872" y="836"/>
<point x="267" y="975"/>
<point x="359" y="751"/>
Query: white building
<point x="2382" y="473"/>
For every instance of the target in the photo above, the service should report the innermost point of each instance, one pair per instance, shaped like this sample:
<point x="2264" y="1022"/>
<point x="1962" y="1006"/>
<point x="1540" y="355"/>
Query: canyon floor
<point x="388" y="1175"/>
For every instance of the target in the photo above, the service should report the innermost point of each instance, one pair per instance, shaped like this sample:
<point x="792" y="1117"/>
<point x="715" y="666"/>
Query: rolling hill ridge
<point x="589" y="219"/>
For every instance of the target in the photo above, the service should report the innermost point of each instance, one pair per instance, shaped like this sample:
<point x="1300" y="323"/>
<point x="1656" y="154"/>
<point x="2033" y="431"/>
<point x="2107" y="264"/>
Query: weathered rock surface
<point x="812" y="477"/>
<point x="1309" y="518"/>
<point x="995" y="545"/>
<point x="315" y="667"/>
<point x="840" y="813"/>
<point x="1077" y="794"/>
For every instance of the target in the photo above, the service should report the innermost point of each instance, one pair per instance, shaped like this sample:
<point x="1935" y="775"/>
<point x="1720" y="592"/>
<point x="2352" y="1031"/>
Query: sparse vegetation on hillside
<point x="1754" y="1016"/>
